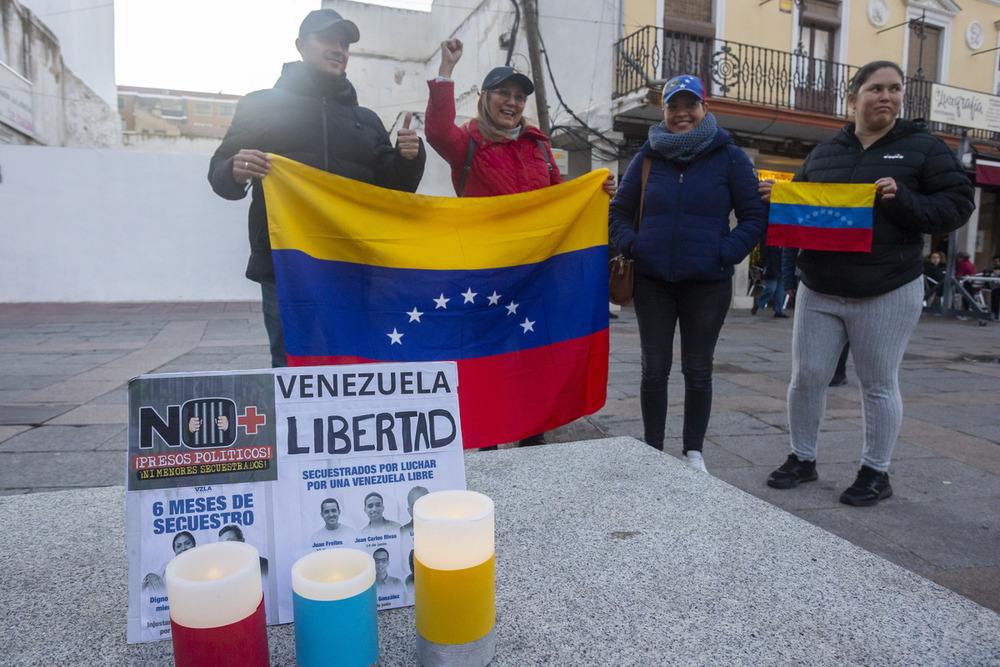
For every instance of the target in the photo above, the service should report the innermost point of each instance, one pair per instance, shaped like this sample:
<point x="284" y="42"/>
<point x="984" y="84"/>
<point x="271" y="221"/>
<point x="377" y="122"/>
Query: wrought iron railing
<point x="755" y="75"/>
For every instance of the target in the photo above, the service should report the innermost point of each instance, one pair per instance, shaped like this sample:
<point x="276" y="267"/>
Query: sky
<point x="211" y="46"/>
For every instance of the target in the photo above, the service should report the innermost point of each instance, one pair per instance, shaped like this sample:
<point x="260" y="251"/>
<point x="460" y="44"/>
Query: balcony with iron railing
<point x="755" y="75"/>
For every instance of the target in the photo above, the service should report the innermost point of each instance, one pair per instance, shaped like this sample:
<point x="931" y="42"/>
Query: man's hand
<point x="407" y="141"/>
<point x="250" y="163"/>
<point x="194" y="424"/>
<point x="451" y="53"/>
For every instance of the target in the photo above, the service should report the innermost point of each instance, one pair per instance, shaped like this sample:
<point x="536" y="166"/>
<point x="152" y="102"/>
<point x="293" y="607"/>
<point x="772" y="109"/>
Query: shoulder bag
<point x="621" y="270"/>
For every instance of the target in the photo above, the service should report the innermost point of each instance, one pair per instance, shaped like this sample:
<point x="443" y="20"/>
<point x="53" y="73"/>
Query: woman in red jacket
<point x="507" y="155"/>
<point x="497" y="152"/>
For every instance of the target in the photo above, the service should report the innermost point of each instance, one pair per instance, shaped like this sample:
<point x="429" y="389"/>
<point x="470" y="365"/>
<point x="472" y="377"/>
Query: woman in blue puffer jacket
<point x="685" y="251"/>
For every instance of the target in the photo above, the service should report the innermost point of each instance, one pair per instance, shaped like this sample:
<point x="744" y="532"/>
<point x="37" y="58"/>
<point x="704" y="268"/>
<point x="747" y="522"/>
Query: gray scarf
<point x="683" y="147"/>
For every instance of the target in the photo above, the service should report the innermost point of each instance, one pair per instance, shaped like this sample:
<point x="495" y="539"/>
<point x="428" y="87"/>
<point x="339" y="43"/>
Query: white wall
<point x="102" y="225"/>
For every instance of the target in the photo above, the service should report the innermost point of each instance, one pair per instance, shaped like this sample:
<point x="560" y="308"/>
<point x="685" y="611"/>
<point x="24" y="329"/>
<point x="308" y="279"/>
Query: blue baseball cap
<point x="691" y="84"/>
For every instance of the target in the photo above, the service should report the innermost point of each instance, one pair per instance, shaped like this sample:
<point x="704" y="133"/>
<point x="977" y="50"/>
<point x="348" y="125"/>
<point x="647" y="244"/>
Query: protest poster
<point x="290" y="461"/>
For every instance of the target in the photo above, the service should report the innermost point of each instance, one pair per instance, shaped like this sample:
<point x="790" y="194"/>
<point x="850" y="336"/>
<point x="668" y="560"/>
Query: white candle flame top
<point x="453" y="530"/>
<point x="214" y="584"/>
<point x="333" y="574"/>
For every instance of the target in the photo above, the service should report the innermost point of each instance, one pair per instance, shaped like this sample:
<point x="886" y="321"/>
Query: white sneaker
<point x="695" y="460"/>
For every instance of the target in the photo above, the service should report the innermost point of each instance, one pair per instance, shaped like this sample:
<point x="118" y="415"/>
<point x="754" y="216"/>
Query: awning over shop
<point x="987" y="172"/>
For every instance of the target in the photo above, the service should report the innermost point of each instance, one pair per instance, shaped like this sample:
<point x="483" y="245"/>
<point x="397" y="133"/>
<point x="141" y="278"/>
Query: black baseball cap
<point x="321" y="19"/>
<point x="498" y="75"/>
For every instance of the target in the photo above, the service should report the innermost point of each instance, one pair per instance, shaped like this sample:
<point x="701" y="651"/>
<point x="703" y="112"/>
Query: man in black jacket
<point x="311" y="116"/>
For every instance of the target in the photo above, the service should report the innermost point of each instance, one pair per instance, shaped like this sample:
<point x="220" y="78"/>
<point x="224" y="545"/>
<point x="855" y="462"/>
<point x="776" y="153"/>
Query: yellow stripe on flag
<point x="341" y="219"/>
<point x="834" y="195"/>
<point x="455" y="606"/>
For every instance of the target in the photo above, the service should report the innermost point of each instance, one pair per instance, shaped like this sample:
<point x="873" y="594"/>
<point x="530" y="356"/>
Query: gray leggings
<point x="879" y="329"/>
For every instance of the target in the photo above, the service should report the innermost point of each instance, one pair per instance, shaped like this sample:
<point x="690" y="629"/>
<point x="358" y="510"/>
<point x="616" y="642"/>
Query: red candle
<point x="217" y="606"/>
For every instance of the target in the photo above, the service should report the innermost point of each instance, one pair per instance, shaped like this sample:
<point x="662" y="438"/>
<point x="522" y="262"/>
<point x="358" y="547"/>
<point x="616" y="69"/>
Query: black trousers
<point x="699" y="308"/>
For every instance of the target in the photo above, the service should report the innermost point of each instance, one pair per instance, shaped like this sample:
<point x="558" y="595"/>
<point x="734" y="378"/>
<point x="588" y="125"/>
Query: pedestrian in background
<point x="774" y="290"/>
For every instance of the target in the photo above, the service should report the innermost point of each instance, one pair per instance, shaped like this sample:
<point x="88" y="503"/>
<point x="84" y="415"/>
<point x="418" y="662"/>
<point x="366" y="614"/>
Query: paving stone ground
<point x="64" y="368"/>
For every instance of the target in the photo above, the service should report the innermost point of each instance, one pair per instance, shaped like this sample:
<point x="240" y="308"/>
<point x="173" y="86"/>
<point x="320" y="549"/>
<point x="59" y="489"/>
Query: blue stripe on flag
<point x="391" y="314"/>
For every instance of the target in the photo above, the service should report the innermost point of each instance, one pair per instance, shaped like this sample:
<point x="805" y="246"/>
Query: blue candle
<point x="334" y="605"/>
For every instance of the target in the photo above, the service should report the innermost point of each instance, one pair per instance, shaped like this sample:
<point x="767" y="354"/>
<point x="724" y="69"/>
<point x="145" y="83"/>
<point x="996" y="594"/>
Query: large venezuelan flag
<point x="513" y="288"/>
<point x="821" y="216"/>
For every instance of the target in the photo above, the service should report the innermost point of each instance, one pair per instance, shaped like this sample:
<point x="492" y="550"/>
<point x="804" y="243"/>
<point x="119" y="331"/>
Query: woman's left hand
<point x="610" y="186"/>
<point x="764" y="189"/>
<point x="886" y="187"/>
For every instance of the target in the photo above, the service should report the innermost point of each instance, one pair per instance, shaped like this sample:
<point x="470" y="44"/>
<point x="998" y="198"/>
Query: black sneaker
<point x="793" y="472"/>
<point x="838" y="381"/>
<point x="870" y="487"/>
<point x="754" y="308"/>
<point x="532" y="440"/>
<point x="781" y="315"/>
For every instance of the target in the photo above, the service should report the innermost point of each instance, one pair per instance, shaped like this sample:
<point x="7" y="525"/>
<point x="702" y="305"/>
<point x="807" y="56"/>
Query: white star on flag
<point x="441" y="302"/>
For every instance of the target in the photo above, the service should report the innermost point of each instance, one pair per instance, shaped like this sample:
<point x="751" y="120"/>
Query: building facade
<point x="42" y="101"/>
<point x="777" y="72"/>
<point x="179" y="120"/>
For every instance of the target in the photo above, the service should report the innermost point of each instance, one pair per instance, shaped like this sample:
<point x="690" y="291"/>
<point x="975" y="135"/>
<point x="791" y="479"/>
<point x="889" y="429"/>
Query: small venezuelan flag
<point x="821" y="216"/>
<point x="512" y="288"/>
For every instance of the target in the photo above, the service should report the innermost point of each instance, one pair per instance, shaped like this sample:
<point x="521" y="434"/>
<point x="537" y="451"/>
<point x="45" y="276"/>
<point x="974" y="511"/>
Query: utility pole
<point x="535" y="56"/>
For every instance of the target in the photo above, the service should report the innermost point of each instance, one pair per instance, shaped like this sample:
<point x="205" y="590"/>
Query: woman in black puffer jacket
<point x="872" y="298"/>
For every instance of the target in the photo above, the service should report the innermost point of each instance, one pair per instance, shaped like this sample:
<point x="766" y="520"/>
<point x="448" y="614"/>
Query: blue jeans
<point x="272" y="322"/>
<point x="700" y="307"/>
<point x="772" y="290"/>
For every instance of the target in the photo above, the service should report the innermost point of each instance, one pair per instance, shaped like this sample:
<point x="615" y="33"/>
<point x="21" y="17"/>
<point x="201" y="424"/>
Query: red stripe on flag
<point x="507" y="397"/>
<point x="819" y="238"/>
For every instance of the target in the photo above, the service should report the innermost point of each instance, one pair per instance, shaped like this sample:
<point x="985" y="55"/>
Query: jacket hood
<point x="298" y="77"/>
<point x="721" y="139"/>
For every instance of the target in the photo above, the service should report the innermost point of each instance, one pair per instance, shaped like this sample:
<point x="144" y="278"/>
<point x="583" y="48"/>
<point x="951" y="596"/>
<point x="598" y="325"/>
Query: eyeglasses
<point x="504" y="94"/>
<point x="674" y="107"/>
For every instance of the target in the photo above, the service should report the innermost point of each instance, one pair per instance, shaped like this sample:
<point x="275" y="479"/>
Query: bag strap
<point x="545" y="154"/>
<point x="541" y="146"/>
<point x="647" y="162"/>
<point x="468" y="165"/>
